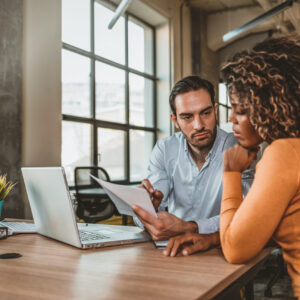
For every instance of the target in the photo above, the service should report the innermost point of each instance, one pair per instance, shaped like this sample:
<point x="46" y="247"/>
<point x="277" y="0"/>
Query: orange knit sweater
<point x="270" y="209"/>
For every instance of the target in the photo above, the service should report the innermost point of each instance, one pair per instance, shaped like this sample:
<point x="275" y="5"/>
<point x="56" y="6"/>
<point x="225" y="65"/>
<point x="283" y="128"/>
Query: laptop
<point x="54" y="216"/>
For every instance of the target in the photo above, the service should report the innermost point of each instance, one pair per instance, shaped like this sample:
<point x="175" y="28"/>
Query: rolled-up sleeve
<point x="157" y="175"/>
<point x="209" y="225"/>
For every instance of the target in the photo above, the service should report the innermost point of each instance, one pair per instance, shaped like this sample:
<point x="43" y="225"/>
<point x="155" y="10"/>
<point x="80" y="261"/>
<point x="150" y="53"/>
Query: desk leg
<point x="249" y="290"/>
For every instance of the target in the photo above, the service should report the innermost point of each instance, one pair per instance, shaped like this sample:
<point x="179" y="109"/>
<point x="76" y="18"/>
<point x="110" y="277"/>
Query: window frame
<point x="97" y="123"/>
<point x="227" y="106"/>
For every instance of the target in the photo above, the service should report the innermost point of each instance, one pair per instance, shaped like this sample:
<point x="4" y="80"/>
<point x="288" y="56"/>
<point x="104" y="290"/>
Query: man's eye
<point x="186" y="117"/>
<point x="206" y="113"/>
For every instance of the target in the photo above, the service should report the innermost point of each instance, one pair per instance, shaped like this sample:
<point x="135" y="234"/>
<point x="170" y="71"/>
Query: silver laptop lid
<point x="51" y="204"/>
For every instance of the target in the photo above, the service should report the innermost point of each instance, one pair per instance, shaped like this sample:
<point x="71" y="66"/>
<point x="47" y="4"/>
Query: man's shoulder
<point x="167" y="149"/>
<point x="170" y="145"/>
<point x="169" y="141"/>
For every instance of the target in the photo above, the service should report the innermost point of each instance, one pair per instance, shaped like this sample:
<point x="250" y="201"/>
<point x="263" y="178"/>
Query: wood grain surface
<point x="52" y="270"/>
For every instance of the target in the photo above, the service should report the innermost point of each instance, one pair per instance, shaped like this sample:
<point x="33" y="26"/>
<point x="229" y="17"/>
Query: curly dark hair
<point x="188" y="84"/>
<point x="267" y="81"/>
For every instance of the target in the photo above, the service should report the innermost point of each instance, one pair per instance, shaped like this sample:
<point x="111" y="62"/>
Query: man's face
<point x="196" y="118"/>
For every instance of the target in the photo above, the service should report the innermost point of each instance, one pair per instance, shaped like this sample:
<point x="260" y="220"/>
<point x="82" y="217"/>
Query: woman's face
<point x="242" y="128"/>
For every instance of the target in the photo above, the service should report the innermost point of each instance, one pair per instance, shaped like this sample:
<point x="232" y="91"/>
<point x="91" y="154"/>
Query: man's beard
<point x="202" y="145"/>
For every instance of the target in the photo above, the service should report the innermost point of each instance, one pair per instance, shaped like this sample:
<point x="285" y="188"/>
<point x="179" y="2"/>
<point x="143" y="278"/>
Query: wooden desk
<point x="52" y="270"/>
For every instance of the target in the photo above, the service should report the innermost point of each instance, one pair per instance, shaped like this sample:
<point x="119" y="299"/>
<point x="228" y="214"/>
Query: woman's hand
<point x="238" y="158"/>
<point x="190" y="243"/>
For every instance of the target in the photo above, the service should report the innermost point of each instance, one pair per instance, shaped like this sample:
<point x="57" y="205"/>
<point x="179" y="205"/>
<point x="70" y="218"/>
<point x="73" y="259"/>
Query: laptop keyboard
<point x="91" y="236"/>
<point x="19" y="227"/>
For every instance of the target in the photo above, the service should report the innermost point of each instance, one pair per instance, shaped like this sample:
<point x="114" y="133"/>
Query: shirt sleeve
<point x="157" y="172"/>
<point x="210" y="225"/>
<point x="157" y="175"/>
<point x="247" y="225"/>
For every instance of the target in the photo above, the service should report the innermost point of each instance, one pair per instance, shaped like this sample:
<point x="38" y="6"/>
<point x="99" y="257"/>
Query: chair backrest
<point x="84" y="180"/>
<point x="92" y="207"/>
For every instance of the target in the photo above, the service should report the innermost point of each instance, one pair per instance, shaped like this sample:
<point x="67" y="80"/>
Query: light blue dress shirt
<point x="190" y="194"/>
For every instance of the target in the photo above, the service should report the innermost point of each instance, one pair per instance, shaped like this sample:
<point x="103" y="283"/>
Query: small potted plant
<point x="5" y="188"/>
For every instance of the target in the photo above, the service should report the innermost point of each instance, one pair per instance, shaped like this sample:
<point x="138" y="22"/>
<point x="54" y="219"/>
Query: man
<point x="185" y="170"/>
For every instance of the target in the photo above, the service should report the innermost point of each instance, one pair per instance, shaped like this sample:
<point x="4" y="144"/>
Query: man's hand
<point x="191" y="242"/>
<point x="155" y="195"/>
<point x="238" y="158"/>
<point x="165" y="225"/>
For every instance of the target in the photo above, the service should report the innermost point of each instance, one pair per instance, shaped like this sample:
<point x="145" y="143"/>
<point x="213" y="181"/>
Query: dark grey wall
<point x="205" y="62"/>
<point x="11" y="15"/>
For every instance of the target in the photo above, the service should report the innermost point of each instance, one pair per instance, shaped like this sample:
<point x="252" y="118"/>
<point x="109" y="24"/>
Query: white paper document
<point x="124" y="196"/>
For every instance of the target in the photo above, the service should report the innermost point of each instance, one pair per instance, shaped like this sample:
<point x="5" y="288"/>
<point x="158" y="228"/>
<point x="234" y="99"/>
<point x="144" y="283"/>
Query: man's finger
<point x="147" y="185"/>
<point x="150" y="228"/>
<point x="190" y="249"/>
<point x="143" y="214"/>
<point x="169" y="247"/>
<point x="158" y="194"/>
<point x="177" y="243"/>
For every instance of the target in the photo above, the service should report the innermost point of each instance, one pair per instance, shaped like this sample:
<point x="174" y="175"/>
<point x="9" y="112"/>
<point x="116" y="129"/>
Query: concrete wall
<point x="11" y="19"/>
<point x="41" y="85"/>
<point x="245" y="43"/>
<point x="222" y="22"/>
<point x="205" y="62"/>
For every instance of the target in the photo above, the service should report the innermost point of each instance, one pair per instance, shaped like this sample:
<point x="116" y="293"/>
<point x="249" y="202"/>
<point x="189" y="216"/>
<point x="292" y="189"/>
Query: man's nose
<point x="198" y="124"/>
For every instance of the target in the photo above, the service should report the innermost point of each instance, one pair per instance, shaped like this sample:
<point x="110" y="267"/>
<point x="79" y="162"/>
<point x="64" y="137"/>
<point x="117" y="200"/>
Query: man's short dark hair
<point x="188" y="84"/>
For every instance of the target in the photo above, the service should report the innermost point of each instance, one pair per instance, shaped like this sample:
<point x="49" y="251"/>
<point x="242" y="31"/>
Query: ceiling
<point x="227" y="15"/>
<point x="221" y="5"/>
<point x="289" y="19"/>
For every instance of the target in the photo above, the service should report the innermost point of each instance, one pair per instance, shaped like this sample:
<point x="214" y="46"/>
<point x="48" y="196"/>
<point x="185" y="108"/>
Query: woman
<point x="264" y="90"/>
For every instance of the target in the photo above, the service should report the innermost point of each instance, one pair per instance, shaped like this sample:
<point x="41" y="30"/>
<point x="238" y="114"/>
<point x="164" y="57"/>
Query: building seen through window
<point x="108" y="91"/>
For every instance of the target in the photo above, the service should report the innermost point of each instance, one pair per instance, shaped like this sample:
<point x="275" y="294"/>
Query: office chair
<point x="93" y="203"/>
<point x="279" y="271"/>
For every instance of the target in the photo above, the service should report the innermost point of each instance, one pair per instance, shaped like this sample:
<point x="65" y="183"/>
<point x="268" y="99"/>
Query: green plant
<point x="5" y="186"/>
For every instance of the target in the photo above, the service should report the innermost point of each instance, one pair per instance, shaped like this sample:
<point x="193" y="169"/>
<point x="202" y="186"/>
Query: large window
<point x="108" y="90"/>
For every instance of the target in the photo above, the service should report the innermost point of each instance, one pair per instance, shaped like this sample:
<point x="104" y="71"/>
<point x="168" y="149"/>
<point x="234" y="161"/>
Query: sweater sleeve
<point x="247" y="225"/>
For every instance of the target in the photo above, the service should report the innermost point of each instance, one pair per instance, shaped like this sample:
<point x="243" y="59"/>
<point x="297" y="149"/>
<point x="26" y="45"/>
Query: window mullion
<point x="127" y="142"/>
<point x="93" y="86"/>
<point x="154" y="84"/>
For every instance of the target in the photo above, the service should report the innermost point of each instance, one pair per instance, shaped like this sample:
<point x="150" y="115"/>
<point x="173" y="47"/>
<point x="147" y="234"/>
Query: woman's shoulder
<point x="286" y="146"/>
<point x="283" y="151"/>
